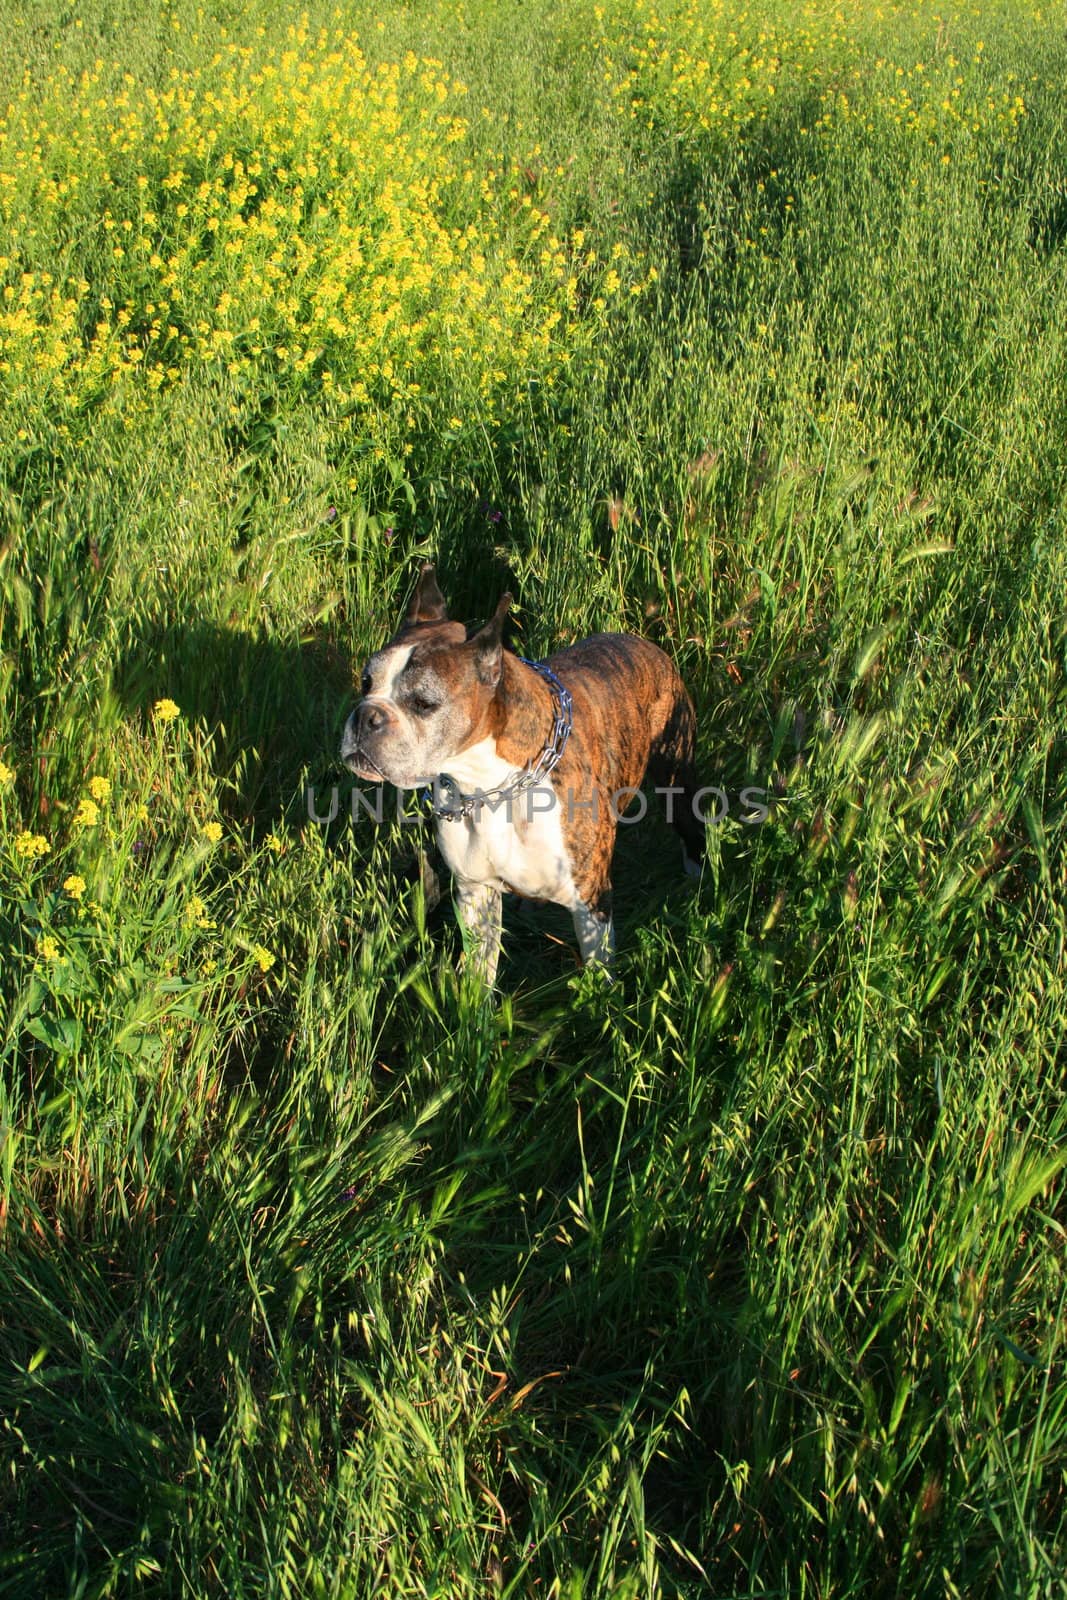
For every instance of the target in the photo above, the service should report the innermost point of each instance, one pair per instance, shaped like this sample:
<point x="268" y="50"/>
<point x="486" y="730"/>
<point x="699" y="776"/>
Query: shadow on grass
<point x="275" y="708"/>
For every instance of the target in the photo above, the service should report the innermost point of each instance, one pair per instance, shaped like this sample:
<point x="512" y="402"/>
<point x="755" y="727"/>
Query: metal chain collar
<point x="562" y="723"/>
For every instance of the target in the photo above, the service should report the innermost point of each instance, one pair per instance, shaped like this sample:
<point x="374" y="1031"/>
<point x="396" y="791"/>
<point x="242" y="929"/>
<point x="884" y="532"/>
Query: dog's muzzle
<point x="366" y="723"/>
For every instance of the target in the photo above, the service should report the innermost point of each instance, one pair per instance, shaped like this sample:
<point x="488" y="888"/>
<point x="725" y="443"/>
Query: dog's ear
<point x="427" y="604"/>
<point x="488" y="659"/>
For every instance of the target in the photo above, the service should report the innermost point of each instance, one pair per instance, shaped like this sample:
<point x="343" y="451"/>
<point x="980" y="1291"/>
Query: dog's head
<point x="426" y="695"/>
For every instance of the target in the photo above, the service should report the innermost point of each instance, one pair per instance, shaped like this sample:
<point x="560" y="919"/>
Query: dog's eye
<point x="421" y="706"/>
<point x="364" y="687"/>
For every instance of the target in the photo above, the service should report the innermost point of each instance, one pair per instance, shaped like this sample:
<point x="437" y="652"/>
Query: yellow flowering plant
<point x="87" y="814"/>
<point x="296" y="220"/>
<point x="31" y="846"/>
<point x="263" y="958"/>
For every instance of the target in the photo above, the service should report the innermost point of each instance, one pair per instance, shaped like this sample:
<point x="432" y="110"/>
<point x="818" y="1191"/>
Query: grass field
<point x="740" y="326"/>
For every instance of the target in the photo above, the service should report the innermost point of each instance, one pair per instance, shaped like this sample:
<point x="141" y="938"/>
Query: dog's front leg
<point x="479" y="907"/>
<point x="596" y="935"/>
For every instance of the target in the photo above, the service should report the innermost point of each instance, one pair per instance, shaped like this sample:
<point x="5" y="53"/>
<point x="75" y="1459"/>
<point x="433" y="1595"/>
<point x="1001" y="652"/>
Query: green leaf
<point x="1035" y="828"/>
<point x="1037" y="1176"/>
<point x="61" y="1034"/>
<point x="139" y="1046"/>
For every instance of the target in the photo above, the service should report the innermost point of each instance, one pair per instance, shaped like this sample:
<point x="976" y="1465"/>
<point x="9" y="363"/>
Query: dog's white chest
<point x="524" y="851"/>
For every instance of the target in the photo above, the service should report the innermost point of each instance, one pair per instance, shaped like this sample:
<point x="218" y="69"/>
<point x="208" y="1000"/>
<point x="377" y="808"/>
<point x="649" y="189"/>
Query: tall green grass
<point x="323" y="1274"/>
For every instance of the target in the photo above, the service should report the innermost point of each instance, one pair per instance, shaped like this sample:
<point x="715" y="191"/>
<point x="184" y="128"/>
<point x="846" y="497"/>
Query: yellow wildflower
<point x="100" y="789"/>
<point x="263" y="958"/>
<point x="74" y="886"/>
<point x="87" y="814"/>
<point x="31" y="845"/>
<point x="142" y="813"/>
<point x="166" y="710"/>
<point x="212" y="832"/>
<point x="7" y="775"/>
<point x="195" y="915"/>
<point x="48" y="948"/>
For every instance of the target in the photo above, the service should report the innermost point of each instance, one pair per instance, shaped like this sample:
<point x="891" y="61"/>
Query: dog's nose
<point x="350" y="738"/>
<point x="371" y="718"/>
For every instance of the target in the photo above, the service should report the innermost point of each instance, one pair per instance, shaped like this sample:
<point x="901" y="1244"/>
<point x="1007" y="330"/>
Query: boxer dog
<point x="530" y="763"/>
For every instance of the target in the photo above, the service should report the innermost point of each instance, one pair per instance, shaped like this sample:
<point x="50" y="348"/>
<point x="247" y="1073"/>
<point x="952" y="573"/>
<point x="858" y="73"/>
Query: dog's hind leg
<point x="672" y="771"/>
